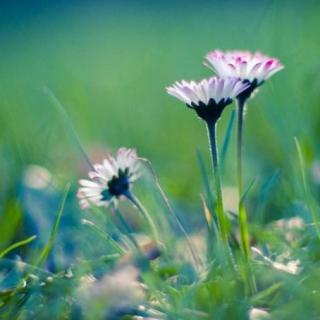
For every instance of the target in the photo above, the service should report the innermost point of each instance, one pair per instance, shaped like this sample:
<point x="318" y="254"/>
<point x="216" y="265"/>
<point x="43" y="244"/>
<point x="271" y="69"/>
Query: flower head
<point x="109" y="180"/>
<point x="253" y="68"/>
<point x="209" y="96"/>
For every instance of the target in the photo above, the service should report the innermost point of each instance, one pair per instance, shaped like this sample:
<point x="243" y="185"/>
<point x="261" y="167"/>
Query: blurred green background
<point x="108" y="63"/>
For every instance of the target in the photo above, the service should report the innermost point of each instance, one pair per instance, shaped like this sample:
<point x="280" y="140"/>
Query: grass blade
<point x="264" y="193"/>
<point x="17" y="245"/>
<point x="205" y="179"/>
<point x="60" y="108"/>
<point x="261" y="298"/>
<point x="307" y="193"/>
<point x="226" y="141"/>
<point x="172" y="212"/>
<point x="209" y="217"/>
<point x="104" y="235"/>
<point x="247" y="191"/>
<point x="47" y="248"/>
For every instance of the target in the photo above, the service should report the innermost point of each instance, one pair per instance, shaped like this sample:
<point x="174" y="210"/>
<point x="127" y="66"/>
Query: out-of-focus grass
<point x="109" y="63"/>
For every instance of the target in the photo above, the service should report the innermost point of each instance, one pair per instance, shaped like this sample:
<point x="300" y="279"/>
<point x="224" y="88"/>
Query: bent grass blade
<point x="47" y="248"/>
<point x="17" y="245"/>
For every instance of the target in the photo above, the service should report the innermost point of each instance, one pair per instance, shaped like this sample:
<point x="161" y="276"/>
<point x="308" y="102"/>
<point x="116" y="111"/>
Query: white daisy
<point x="109" y="180"/>
<point x="209" y="96"/>
<point x="254" y="68"/>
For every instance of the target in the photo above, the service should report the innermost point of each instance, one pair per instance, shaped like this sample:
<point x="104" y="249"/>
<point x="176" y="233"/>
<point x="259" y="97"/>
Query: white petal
<point x="88" y="183"/>
<point x="243" y="64"/>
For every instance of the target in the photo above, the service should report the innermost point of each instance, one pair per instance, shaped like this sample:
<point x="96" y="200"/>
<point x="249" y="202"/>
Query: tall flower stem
<point x="136" y="202"/>
<point x="242" y="214"/>
<point x="211" y="126"/>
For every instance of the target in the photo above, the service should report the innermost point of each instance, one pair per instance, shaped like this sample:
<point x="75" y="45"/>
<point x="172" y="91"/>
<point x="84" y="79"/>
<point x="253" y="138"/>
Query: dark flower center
<point x="117" y="186"/>
<point x="253" y="85"/>
<point x="211" y="111"/>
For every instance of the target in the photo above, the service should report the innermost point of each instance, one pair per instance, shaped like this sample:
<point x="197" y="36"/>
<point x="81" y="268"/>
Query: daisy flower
<point x="209" y="96"/>
<point x="253" y="68"/>
<point x="110" y="179"/>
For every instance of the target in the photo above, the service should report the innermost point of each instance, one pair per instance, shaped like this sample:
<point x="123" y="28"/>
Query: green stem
<point x="128" y="230"/>
<point x="17" y="245"/>
<point x="136" y="202"/>
<point x="211" y="126"/>
<point x="242" y="214"/>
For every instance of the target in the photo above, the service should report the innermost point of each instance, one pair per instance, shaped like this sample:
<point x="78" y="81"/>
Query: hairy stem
<point x="136" y="202"/>
<point x="211" y="126"/>
<point x="242" y="214"/>
<point x="128" y="231"/>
